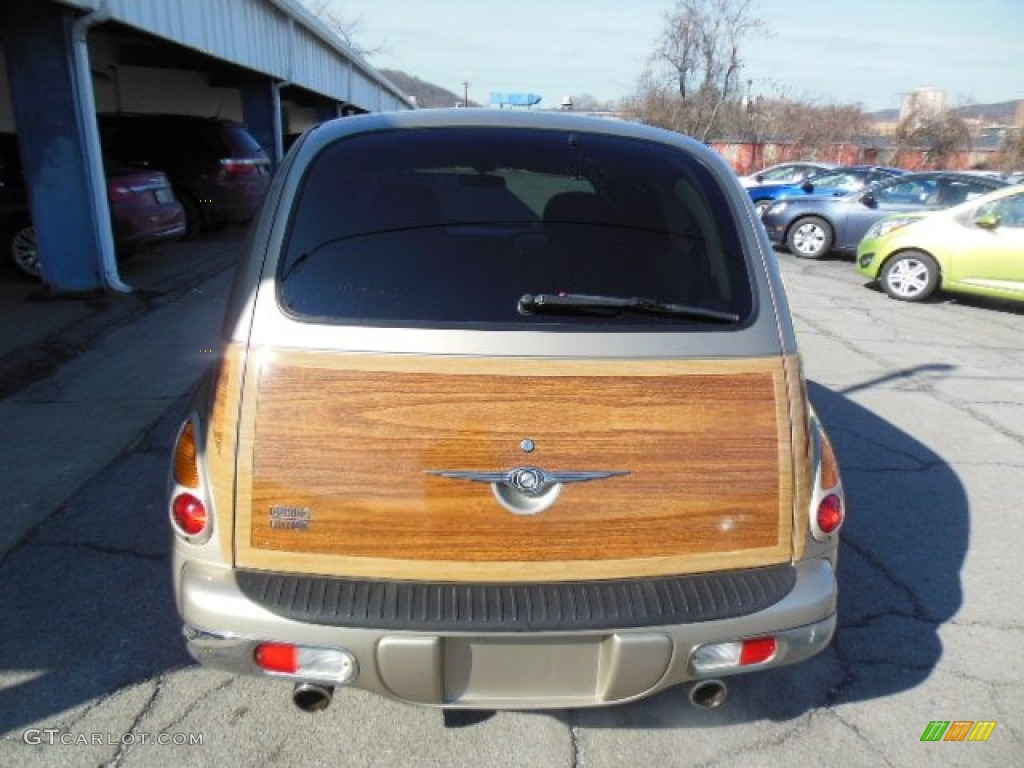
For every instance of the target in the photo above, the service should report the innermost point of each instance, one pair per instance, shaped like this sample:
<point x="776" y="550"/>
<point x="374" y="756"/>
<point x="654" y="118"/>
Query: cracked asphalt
<point x="924" y="403"/>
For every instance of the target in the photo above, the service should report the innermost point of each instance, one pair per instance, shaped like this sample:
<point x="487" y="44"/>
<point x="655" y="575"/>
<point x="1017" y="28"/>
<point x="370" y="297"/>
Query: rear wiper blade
<point x="530" y="304"/>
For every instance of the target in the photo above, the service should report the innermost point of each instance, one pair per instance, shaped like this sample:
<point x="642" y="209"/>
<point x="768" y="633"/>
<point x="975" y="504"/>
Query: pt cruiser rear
<point x="509" y="415"/>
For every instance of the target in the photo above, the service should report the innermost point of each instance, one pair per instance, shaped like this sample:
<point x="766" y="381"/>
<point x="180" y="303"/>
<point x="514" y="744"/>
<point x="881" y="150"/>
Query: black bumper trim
<point x="556" y="606"/>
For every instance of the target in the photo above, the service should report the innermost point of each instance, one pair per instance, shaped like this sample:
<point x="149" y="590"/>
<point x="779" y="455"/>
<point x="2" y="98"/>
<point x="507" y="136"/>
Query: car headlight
<point x="885" y="226"/>
<point x="776" y="208"/>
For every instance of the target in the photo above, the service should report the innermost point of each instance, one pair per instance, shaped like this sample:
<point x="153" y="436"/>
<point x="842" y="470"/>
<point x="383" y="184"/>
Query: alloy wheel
<point x="24" y="252"/>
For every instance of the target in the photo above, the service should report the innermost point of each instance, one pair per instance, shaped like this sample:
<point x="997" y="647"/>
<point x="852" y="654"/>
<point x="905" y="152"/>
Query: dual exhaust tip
<point x="310" y="697"/>
<point x="708" y="694"/>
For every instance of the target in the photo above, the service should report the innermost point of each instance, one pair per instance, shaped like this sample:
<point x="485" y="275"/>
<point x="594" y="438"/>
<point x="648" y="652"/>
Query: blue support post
<point x="328" y="110"/>
<point x="260" y="100"/>
<point x="38" y="39"/>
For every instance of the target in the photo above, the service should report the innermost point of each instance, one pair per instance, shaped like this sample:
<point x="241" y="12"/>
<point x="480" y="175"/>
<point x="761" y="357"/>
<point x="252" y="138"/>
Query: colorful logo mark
<point x="958" y="730"/>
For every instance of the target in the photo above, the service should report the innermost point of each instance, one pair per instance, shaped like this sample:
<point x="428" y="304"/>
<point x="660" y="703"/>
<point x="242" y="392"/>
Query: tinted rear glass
<point x="240" y="141"/>
<point x="452" y="227"/>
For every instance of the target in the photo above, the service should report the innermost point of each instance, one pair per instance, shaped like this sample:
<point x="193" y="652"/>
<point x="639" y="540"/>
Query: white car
<point x="785" y="173"/>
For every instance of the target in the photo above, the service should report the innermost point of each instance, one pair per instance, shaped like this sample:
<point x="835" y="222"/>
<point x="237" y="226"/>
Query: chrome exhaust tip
<point x="708" y="694"/>
<point x="310" y="697"/>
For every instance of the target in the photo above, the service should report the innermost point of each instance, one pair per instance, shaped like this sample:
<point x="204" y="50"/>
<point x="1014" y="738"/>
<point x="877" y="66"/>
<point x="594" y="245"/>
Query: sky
<point x="870" y="52"/>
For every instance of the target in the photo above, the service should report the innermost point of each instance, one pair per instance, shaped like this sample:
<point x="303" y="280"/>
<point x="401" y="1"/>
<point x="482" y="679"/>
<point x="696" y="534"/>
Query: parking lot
<point x="924" y="405"/>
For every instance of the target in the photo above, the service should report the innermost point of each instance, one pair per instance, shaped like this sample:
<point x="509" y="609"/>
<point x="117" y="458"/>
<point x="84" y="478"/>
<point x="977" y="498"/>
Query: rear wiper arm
<point x="530" y="304"/>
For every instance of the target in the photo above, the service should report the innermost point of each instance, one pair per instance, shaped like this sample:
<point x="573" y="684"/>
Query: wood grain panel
<point x="707" y="445"/>
<point x="221" y="444"/>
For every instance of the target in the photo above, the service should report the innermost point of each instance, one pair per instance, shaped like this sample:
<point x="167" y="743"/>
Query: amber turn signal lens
<point x="829" y="464"/>
<point x="186" y="464"/>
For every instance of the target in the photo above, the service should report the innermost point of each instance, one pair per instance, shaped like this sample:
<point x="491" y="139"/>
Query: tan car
<point x="509" y="415"/>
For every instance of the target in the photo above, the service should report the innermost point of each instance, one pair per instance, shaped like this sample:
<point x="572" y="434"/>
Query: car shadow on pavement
<point x="902" y="548"/>
<point x="86" y="597"/>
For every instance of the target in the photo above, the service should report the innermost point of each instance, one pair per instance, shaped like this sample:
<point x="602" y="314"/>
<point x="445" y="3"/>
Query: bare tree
<point x="585" y="102"/>
<point x="939" y="134"/>
<point x="1011" y="152"/>
<point x="812" y="129"/>
<point x="699" y="55"/>
<point x="344" y="26"/>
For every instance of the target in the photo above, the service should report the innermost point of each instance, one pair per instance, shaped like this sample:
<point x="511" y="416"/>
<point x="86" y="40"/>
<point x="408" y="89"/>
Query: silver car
<point x="509" y="414"/>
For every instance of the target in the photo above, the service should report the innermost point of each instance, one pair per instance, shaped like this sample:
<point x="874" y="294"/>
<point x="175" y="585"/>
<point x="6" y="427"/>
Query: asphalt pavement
<point x="923" y="402"/>
<point x="83" y="379"/>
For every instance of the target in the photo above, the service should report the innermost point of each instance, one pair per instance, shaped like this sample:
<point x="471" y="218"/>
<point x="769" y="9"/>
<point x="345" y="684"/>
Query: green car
<point x="976" y="247"/>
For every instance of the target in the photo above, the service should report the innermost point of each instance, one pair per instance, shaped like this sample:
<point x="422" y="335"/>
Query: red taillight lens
<point x="189" y="514"/>
<point x="830" y="513"/>
<point x="733" y="654"/>
<point x="758" y="650"/>
<point x="240" y="166"/>
<point x="278" y="657"/>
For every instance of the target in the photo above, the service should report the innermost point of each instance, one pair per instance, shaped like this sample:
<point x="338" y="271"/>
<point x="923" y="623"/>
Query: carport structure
<point x="267" y="63"/>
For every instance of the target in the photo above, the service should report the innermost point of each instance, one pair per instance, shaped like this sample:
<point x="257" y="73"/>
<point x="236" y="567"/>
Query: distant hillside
<point x="427" y="95"/>
<point x="1000" y="112"/>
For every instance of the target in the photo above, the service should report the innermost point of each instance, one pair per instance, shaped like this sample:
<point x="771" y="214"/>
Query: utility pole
<point x="465" y="93"/>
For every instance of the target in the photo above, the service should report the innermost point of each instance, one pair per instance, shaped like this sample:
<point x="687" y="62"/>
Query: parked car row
<point x="219" y="172"/>
<point x="143" y="209"/>
<point x="168" y="176"/>
<point x="835" y="182"/>
<point x="976" y="247"/>
<point x="814" y="225"/>
<point x="786" y="173"/>
<point x="913" y="234"/>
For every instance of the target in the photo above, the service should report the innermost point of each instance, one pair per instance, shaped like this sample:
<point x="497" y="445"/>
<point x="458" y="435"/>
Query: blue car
<point x="836" y="182"/>
<point x="812" y="226"/>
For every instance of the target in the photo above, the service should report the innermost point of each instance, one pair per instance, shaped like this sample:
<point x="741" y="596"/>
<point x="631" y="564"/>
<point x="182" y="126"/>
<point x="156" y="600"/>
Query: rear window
<point x="241" y="142"/>
<point x="453" y="227"/>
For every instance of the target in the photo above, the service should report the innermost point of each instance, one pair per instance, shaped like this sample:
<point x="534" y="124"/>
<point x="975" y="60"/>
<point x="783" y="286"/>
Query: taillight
<point x="278" y="657"/>
<point x="322" y="664"/>
<point x="241" y="166"/>
<point x="830" y="513"/>
<point x="719" y="657"/>
<point x="827" y="516"/>
<point x="757" y="650"/>
<point x="189" y="514"/>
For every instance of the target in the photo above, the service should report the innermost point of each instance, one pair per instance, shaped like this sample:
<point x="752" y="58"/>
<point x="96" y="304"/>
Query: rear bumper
<point x="504" y="670"/>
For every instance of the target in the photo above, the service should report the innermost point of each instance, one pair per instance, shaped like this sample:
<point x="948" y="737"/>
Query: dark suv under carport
<point x="219" y="171"/>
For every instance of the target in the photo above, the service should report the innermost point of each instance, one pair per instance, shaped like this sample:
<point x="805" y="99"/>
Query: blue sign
<point x="515" y="99"/>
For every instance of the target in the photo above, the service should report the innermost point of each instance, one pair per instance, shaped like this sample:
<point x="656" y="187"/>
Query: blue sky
<point x="828" y="51"/>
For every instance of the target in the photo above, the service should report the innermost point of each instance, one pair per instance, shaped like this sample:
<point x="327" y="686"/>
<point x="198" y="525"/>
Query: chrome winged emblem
<point x="526" y="490"/>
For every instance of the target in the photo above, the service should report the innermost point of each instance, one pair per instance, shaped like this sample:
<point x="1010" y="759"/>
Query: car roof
<point x="913" y="176"/>
<point x="331" y="130"/>
<point x="455" y="117"/>
<point x="1001" y="191"/>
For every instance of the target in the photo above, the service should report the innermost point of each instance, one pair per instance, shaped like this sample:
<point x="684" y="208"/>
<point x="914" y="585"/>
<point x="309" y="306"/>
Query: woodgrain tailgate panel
<point x="351" y="438"/>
